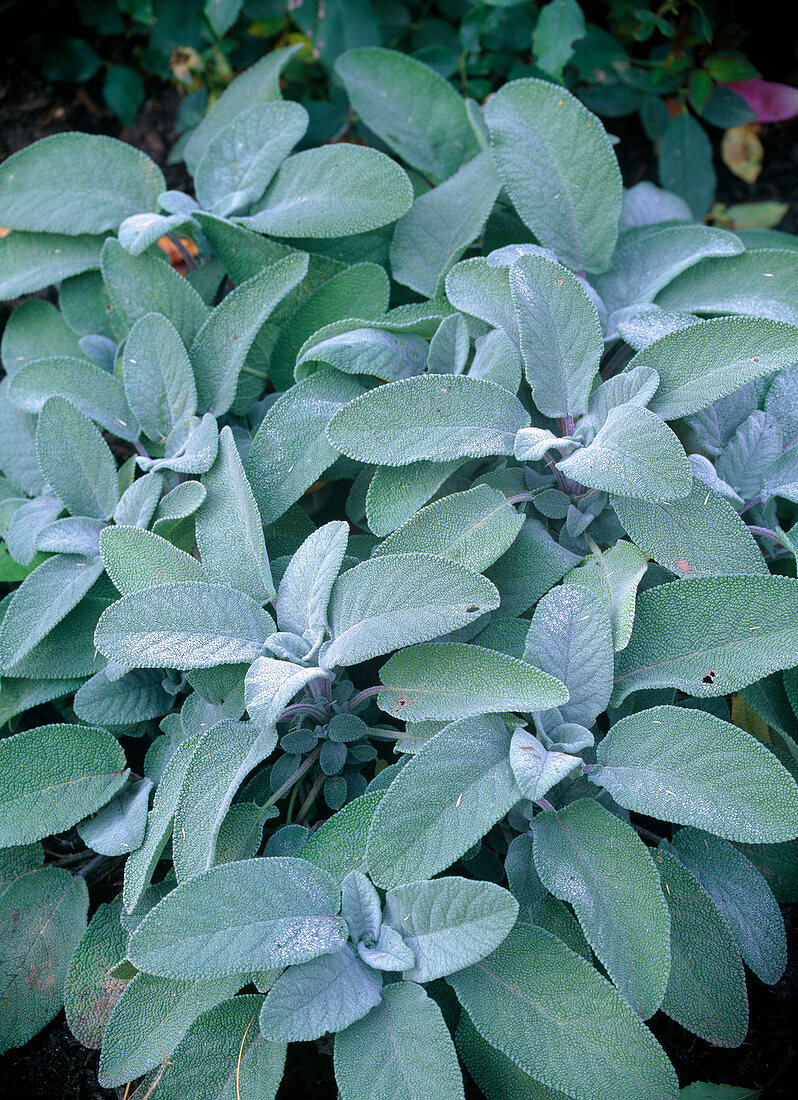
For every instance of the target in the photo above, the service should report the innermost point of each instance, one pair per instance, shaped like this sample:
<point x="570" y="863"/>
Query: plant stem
<point x="765" y="533"/>
<point x="545" y="804"/>
<point x="366" y="693"/>
<point x="292" y="779"/>
<point x="304" y="809"/>
<point x="191" y="263"/>
<point x="320" y="715"/>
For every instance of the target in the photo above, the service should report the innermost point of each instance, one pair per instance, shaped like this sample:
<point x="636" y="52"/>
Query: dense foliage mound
<point x="406" y="595"/>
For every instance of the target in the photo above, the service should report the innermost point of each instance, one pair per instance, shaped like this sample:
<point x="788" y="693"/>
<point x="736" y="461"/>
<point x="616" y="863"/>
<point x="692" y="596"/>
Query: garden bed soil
<point x="54" y="1066"/>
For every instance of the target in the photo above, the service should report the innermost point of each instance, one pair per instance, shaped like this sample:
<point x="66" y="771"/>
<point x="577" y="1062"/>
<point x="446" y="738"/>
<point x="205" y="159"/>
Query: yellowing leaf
<point x="742" y="151"/>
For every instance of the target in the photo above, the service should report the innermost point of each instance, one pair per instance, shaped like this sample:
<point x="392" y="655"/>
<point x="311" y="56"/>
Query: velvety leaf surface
<point x="42" y="918"/>
<point x="447" y="797"/>
<point x="706" y="988"/>
<point x="690" y="767"/>
<point x="253" y="914"/>
<point x="710" y="635"/>
<point x="53" y="776"/>
<point x="599" y="865"/>
<point x="561" y="1022"/>
<point x="559" y="168"/>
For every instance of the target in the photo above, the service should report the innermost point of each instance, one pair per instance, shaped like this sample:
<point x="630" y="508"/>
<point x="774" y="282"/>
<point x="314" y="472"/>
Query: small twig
<point x="304" y="809"/>
<point x="366" y="693"/>
<point x="84" y="871"/>
<point x="765" y="533"/>
<point x="647" y="834"/>
<point x="318" y="713"/>
<point x="190" y="262"/>
<point x="292" y="779"/>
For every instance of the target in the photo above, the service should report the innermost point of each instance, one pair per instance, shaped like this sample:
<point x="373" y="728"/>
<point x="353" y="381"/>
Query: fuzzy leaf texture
<point x="688" y="766"/>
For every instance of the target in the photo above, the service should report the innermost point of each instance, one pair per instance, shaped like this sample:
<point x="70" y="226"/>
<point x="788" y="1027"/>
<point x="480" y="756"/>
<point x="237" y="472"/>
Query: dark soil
<point x="54" y="1066"/>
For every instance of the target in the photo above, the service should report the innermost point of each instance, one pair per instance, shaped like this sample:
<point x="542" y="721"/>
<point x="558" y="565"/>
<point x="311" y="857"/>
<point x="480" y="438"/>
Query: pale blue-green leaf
<point x="474" y="528"/>
<point x="560" y="335"/>
<point x="270" y="685"/>
<point x="92" y="390"/>
<point x="221" y="1057"/>
<point x="290" y="449"/>
<point x="428" y="417"/>
<point x="699" y="364"/>
<point x="77" y="183"/>
<point x="698" y="536"/>
<point x="137" y="504"/>
<point x="633" y="454"/>
<point x="221" y="346"/>
<point x="647" y="258"/>
<point x="496" y="1074"/>
<point x="746" y="460"/>
<point x="190" y="448"/>
<point x="325" y="994"/>
<point x="332" y="191"/>
<point x="445" y="799"/>
<point x="241" y="160"/>
<point x="591" y="859"/>
<point x="34" y="330"/>
<point x="537" y="905"/>
<point x="559" y="168"/>
<point x="304" y="591"/>
<point x="90" y="991"/>
<point x="138" y="696"/>
<point x="76" y="461"/>
<point x="33" y="261"/>
<point x="447" y="680"/>
<point x="149" y="1020"/>
<point x="741" y="895"/>
<point x="482" y="289"/>
<point x="186" y="625"/>
<point x="44" y="598"/>
<point x="135" y="559"/>
<point x="706" y="987"/>
<point x="449" y="923"/>
<point x="250" y="915"/>
<point x="159" y="381"/>
<point x="138" y="285"/>
<point x="614" y="575"/>
<point x="710" y="635"/>
<point x="535" y="768"/>
<point x="257" y="84"/>
<point x="647" y="204"/>
<point x="361" y="907"/>
<point x="71" y="535"/>
<point x="140" y="231"/>
<point x="141" y="864"/>
<point x="339" y="844"/>
<point x="378" y="352"/>
<point x="571" y="638"/>
<point x="225" y="756"/>
<point x="441" y="224"/>
<point x="688" y="766"/>
<point x="229" y="529"/>
<point x="527" y="571"/>
<point x="389" y="952"/>
<point x="52" y="776"/>
<point x="561" y="1022"/>
<point x="398" y="599"/>
<point x="410" y="107"/>
<point x="118" y="828"/>
<point x="402" y="1048"/>
<point x="396" y="493"/>
<point x="759" y="283"/>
